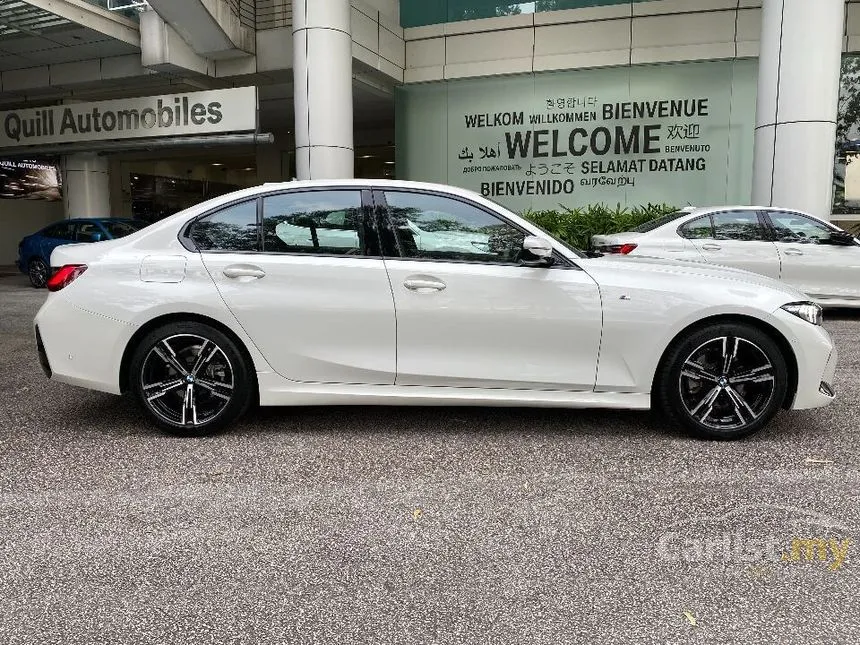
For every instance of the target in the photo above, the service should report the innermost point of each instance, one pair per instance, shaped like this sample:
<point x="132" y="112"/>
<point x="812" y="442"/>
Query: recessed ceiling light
<point x="249" y="168"/>
<point x="366" y="156"/>
<point x="217" y="164"/>
<point x="389" y="163"/>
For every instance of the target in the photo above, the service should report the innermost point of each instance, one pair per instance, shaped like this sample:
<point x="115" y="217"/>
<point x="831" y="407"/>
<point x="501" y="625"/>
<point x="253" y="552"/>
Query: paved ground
<point x="418" y="525"/>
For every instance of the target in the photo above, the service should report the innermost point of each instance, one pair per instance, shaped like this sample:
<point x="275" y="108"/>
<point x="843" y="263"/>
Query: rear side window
<point x="323" y="222"/>
<point x="698" y="229"/>
<point x="233" y="228"/>
<point x="737" y="225"/>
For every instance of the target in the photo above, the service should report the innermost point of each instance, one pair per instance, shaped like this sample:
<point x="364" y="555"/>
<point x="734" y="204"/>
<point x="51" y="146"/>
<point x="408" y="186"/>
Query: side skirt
<point x="275" y="391"/>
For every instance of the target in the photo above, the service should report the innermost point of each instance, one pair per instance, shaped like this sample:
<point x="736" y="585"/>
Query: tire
<point x="190" y="378"/>
<point x="38" y="271"/>
<point x="695" y="390"/>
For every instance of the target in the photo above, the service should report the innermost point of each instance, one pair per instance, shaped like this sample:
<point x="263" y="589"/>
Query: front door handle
<point x="424" y="284"/>
<point x="793" y="252"/>
<point x="235" y="271"/>
<point x="711" y="247"/>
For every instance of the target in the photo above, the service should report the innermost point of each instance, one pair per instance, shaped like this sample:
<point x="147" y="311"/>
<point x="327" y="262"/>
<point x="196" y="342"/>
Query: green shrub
<point x="576" y="225"/>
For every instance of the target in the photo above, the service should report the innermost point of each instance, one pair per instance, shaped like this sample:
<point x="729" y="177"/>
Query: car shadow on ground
<point x="120" y="416"/>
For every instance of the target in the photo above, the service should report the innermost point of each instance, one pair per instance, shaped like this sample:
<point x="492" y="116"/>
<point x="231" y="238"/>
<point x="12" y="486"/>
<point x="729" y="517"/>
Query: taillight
<point x="623" y="249"/>
<point x="65" y="276"/>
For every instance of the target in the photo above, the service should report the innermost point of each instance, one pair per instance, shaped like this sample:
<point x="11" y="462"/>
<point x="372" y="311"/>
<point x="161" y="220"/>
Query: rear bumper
<point x="79" y="347"/>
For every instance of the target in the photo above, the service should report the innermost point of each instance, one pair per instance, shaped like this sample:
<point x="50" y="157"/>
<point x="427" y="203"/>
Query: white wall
<point x="20" y="217"/>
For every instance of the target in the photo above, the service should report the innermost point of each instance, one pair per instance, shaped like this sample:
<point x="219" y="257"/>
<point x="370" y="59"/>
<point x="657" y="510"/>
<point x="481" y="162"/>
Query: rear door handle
<point x="235" y="271"/>
<point x="424" y="284"/>
<point x="711" y="247"/>
<point x="793" y="252"/>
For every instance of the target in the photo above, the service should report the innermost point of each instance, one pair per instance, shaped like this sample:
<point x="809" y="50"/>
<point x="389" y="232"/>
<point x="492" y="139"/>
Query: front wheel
<point x="38" y="271"/>
<point x="725" y="381"/>
<point x="190" y="379"/>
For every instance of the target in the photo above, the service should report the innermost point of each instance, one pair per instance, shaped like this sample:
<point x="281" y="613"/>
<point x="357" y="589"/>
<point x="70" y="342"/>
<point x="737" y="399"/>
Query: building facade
<point x="133" y="108"/>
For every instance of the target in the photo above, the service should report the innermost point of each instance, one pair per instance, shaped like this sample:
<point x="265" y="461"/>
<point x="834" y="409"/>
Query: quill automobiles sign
<point x="195" y="113"/>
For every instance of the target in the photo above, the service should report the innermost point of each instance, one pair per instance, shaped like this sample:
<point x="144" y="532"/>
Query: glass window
<point x="89" y="232"/>
<point x="441" y="228"/>
<point x="417" y="13"/>
<point x="798" y="229"/>
<point x="61" y="231"/>
<point x="698" y="229"/>
<point x="121" y="228"/>
<point x="658" y="222"/>
<point x="323" y="222"/>
<point x="737" y="225"/>
<point x="233" y="228"/>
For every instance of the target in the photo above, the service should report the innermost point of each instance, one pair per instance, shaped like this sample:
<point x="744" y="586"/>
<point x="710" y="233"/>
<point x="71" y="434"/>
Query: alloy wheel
<point x="38" y="273"/>
<point x="727" y="383"/>
<point x="187" y="380"/>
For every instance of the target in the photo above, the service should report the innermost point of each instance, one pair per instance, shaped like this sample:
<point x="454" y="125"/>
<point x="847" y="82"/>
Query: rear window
<point x="660" y="221"/>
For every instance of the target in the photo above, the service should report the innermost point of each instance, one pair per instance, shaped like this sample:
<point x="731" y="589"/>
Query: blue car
<point x="34" y="251"/>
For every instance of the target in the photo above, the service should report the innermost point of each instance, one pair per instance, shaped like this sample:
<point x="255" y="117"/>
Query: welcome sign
<point x="677" y="134"/>
<point x="194" y="113"/>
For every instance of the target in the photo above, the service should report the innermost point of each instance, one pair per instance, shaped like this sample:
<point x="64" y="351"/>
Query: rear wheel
<point x="725" y="381"/>
<point x="190" y="379"/>
<point x="38" y="272"/>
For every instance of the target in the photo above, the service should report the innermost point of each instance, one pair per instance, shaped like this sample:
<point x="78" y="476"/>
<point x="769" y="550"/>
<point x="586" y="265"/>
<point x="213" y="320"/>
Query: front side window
<point x="442" y="228"/>
<point x="61" y="231"/>
<point x="798" y="229"/>
<point x="324" y="222"/>
<point x="233" y="228"/>
<point x="737" y="225"/>
<point x="89" y="232"/>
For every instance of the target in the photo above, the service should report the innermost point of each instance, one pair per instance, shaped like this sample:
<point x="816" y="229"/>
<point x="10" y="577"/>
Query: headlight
<point x="809" y="311"/>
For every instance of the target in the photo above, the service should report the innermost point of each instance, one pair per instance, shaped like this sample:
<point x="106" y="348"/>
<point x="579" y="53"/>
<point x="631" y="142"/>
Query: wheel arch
<point x="772" y="332"/>
<point x="166" y="319"/>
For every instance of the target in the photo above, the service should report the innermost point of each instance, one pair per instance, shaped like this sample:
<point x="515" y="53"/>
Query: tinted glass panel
<point x="318" y="222"/>
<point x="698" y="229"/>
<point x="61" y="231"/>
<point x="231" y="229"/>
<point x="737" y="225"/>
<point x="657" y="223"/>
<point x="428" y="226"/>
<point x="122" y="228"/>
<point x="89" y="232"/>
<point x="798" y="229"/>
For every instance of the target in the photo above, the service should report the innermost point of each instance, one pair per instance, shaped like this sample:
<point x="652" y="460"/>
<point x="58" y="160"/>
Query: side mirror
<point x="841" y="238"/>
<point x="537" y="252"/>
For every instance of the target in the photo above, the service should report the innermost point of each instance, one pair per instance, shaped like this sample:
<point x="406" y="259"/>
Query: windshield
<point x="121" y="228"/>
<point x="657" y="223"/>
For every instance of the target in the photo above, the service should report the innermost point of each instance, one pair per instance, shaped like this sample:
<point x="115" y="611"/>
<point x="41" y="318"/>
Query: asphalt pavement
<point x="419" y="525"/>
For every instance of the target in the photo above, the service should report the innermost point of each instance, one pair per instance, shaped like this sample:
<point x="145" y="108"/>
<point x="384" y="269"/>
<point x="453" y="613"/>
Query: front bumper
<point x="816" y="361"/>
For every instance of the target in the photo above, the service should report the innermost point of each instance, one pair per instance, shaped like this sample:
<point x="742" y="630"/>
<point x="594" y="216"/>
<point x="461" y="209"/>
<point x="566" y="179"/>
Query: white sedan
<point x="203" y="313"/>
<point x="808" y="253"/>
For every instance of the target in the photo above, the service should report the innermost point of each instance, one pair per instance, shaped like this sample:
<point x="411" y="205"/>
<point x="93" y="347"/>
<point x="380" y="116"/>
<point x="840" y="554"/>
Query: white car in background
<point x="231" y="302"/>
<point x="812" y="255"/>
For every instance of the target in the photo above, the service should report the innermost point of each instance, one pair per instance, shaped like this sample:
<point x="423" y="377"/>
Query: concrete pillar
<point x="322" y="74"/>
<point x="798" y="95"/>
<point x="86" y="185"/>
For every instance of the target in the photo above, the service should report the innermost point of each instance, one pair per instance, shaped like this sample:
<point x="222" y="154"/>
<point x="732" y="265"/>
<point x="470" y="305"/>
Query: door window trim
<point x="367" y="221"/>
<point x="382" y="216"/>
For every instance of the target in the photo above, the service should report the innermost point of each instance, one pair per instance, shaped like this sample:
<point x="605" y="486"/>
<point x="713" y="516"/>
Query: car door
<point x="317" y="312"/>
<point x="809" y="261"/>
<point x="469" y="314"/>
<point x="56" y="235"/>
<point x="734" y="238"/>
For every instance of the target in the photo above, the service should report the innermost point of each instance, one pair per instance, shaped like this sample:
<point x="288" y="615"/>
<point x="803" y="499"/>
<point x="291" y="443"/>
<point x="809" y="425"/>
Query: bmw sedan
<point x="803" y="251"/>
<point x="34" y="251"/>
<point x="221" y="305"/>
